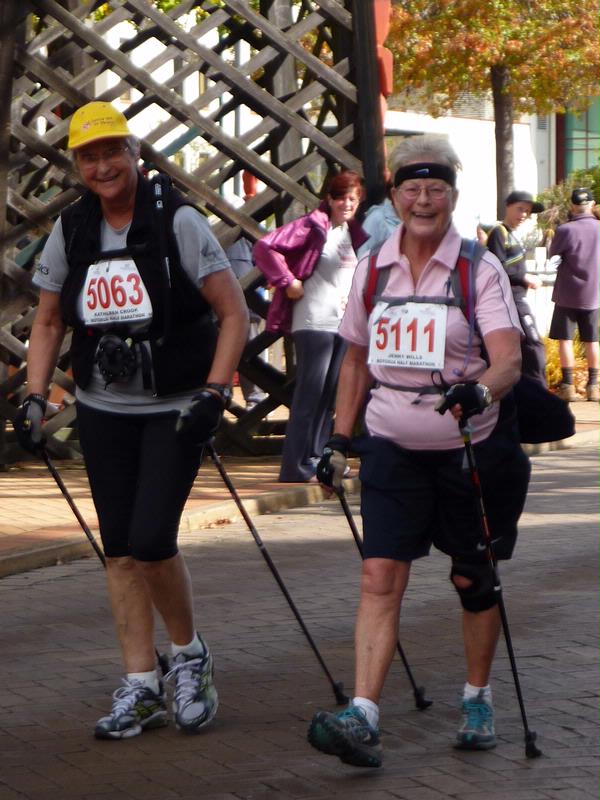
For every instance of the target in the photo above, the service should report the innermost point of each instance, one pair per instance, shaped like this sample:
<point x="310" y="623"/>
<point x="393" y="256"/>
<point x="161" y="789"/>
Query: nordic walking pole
<point x="340" y="697"/>
<point x="418" y="691"/>
<point x="162" y="659"/>
<point x="531" y="751"/>
<point x="59" y="482"/>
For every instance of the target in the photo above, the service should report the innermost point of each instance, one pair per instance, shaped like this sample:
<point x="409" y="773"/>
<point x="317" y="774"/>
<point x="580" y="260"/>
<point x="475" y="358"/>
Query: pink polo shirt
<point x="393" y="414"/>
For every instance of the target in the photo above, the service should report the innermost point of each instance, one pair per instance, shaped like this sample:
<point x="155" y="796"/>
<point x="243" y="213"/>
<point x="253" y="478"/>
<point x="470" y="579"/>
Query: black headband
<point x="425" y="170"/>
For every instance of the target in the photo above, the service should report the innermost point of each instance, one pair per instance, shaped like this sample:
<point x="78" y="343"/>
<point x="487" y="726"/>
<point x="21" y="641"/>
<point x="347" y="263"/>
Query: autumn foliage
<point x="549" y="49"/>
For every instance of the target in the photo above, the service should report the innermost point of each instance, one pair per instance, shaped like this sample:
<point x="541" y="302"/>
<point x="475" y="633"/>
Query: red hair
<point x="343" y="183"/>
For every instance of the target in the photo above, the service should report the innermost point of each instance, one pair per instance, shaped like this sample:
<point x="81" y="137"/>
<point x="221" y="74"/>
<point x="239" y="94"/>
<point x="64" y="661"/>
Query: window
<point x="582" y="139"/>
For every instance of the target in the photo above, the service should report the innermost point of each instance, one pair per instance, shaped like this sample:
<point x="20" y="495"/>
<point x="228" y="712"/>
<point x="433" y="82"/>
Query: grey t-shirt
<point x="200" y="254"/>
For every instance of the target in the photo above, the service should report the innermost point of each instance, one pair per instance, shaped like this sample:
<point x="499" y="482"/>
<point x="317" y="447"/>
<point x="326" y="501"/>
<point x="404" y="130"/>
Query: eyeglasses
<point x="110" y="156"/>
<point x="436" y="191"/>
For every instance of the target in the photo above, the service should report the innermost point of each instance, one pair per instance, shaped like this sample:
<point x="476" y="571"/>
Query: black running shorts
<point x="411" y="499"/>
<point x="564" y="321"/>
<point x="140" y="475"/>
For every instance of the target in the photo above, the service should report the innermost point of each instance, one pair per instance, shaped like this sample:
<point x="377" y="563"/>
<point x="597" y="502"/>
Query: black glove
<point x="473" y="398"/>
<point x="332" y="464"/>
<point x="28" y="423"/>
<point x="199" y="422"/>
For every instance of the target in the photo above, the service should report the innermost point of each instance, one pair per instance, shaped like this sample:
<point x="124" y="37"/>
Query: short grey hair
<point x="134" y="145"/>
<point x="430" y="147"/>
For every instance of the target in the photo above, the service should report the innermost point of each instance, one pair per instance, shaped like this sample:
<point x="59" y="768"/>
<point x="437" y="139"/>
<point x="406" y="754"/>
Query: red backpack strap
<point x="463" y="276"/>
<point x="371" y="284"/>
<point x="463" y="268"/>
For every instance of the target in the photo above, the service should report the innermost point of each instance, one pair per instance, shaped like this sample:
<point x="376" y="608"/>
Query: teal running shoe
<point x="477" y="728"/>
<point x="347" y="735"/>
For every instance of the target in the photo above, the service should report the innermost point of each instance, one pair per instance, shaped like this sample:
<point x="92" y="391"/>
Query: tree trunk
<point x="503" y="116"/>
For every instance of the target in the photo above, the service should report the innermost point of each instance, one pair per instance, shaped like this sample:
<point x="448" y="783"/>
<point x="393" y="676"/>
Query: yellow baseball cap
<point x="96" y="120"/>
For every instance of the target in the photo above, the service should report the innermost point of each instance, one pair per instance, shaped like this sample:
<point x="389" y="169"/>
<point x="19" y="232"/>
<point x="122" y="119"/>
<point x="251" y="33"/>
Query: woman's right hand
<point x="294" y="290"/>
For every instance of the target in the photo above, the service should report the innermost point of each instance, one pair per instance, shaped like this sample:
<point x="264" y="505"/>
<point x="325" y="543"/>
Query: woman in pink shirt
<point x="412" y="350"/>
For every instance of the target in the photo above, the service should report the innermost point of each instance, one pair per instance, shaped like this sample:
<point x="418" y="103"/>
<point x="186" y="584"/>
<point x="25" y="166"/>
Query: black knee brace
<point x="483" y="592"/>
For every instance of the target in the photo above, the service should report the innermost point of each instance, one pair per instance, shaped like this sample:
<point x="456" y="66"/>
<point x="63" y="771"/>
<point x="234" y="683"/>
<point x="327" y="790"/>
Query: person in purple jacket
<point x="310" y="262"/>
<point x="575" y="292"/>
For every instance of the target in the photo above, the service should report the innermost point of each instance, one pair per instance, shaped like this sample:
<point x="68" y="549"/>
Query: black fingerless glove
<point x="28" y="423"/>
<point x="199" y="422"/>
<point x="332" y="464"/>
<point x="473" y="398"/>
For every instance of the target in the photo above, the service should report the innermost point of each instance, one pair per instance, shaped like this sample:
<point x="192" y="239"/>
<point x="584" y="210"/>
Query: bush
<point x="557" y="199"/>
<point x="553" y="370"/>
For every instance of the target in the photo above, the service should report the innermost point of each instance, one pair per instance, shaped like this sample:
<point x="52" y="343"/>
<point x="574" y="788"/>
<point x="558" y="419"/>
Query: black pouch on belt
<point x="116" y="358"/>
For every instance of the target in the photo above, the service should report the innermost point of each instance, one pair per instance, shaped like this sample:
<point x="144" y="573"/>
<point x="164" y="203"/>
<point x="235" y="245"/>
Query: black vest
<point x="183" y="332"/>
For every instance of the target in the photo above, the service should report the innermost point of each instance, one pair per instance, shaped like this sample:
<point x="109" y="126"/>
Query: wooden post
<point x="8" y="27"/>
<point x="282" y="84"/>
<point x="370" y="122"/>
<point x="8" y="37"/>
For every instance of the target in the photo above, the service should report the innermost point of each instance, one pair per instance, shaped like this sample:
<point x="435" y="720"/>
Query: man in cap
<point x="575" y="292"/>
<point x="507" y="246"/>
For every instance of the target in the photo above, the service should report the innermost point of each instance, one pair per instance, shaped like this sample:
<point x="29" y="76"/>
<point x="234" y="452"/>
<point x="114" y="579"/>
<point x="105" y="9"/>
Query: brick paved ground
<point x="61" y="663"/>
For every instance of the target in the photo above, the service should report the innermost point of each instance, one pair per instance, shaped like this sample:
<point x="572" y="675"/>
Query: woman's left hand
<point x="294" y="290"/>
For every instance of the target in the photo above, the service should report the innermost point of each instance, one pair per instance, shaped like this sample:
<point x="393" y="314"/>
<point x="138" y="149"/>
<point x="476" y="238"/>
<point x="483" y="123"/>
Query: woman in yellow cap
<point x="134" y="269"/>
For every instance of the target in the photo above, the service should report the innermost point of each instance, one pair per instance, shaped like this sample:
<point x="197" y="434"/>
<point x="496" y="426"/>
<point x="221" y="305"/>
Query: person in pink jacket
<point x="310" y="262"/>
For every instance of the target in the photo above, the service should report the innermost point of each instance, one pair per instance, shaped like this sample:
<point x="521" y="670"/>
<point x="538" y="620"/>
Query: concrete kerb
<point x="48" y="556"/>
<point x="581" y="439"/>
<point x="216" y="514"/>
<point x="227" y="511"/>
<point x="222" y="513"/>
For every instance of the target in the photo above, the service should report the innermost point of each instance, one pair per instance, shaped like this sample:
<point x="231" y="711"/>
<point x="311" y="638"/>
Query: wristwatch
<point x="224" y="389"/>
<point x="486" y="394"/>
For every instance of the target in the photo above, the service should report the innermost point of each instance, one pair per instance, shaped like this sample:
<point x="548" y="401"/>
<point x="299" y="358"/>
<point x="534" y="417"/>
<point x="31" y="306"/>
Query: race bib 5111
<point x="113" y="293"/>
<point x="408" y="335"/>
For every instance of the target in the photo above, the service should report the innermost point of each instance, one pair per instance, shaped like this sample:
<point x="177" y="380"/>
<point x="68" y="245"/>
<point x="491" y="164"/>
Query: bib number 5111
<point x="388" y="333"/>
<point x="409" y="335"/>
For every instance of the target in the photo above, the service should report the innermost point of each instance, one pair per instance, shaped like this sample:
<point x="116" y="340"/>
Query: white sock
<point x="149" y="679"/>
<point x="370" y="708"/>
<point x="193" y="648"/>
<point x="470" y="692"/>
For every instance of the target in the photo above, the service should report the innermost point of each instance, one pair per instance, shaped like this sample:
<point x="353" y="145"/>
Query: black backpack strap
<point x="161" y="187"/>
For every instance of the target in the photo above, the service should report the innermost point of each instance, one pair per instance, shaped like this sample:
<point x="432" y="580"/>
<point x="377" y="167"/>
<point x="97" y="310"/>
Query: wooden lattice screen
<point x="246" y="105"/>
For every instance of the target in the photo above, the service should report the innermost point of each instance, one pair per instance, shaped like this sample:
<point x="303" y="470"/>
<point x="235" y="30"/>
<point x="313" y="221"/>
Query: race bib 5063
<point x="408" y="335"/>
<point x="114" y="292"/>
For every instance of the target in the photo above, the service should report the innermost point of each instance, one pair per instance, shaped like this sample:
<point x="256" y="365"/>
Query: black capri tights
<point x="141" y="475"/>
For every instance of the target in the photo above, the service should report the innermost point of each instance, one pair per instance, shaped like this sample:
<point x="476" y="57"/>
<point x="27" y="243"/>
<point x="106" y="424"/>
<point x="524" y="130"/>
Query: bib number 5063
<point x="104" y="293"/>
<point x="114" y="293"/>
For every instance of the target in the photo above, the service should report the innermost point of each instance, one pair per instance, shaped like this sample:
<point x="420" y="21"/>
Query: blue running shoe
<point x="477" y="728"/>
<point x="347" y="735"/>
<point x="195" y="699"/>
<point x="135" y="708"/>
